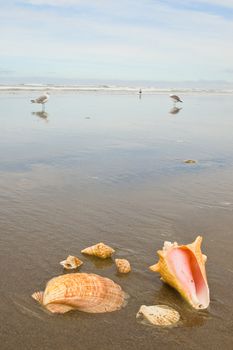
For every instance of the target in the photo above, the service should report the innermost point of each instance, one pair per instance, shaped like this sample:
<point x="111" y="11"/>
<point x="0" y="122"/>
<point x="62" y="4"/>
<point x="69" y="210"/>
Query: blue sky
<point x="170" y="40"/>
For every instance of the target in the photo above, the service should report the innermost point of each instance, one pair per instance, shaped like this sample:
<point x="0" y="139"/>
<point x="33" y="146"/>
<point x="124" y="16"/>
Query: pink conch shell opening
<point x="183" y="267"/>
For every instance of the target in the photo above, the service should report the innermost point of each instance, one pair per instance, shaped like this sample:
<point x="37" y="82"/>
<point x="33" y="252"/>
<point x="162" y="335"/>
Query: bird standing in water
<point x="42" y="100"/>
<point x="175" y="98"/>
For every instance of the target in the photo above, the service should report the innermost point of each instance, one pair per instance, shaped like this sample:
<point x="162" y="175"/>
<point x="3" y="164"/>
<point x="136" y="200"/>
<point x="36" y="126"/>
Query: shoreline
<point x="110" y="89"/>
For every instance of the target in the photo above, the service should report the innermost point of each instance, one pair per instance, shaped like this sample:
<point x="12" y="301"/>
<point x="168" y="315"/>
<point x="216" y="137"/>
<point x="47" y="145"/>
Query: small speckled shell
<point x="159" y="315"/>
<point x="71" y="262"/>
<point x="85" y="292"/>
<point x="100" y="250"/>
<point x="123" y="265"/>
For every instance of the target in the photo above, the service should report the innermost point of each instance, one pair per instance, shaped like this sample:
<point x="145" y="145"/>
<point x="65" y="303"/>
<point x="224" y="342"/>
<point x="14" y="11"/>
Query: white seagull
<point x="175" y="98"/>
<point x="41" y="99"/>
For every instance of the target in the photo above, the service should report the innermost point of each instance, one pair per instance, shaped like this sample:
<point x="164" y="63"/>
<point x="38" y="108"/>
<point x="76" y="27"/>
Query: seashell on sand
<point x="100" y="250"/>
<point x="190" y="161"/>
<point x="81" y="291"/>
<point x="183" y="268"/>
<point x="159" y="315"/>
<point x="123" y="265"/>
<point x="71" y="262"/>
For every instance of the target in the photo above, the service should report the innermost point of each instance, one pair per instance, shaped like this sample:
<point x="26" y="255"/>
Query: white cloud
<point x="220" y="3"/>
<point x="67" y="2"/>
<point x="226" y="3"/>
<point x="168" y="42"/>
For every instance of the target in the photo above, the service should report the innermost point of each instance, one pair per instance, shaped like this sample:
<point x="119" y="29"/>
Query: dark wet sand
<point x="110" y="168"/>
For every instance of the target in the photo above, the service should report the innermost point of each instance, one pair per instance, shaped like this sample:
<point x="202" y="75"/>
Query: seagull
<point x="175" y="98"/>
<point x="41" y="99"/>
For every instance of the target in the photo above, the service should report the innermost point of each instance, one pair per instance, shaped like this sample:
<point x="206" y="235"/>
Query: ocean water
<point x="110" y="167"/>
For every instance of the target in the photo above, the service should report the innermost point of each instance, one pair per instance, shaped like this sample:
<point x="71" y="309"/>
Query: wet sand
<point x="110" y="168"/>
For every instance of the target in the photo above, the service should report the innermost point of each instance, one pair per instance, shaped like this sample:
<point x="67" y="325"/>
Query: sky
<point x="149" y="40"/>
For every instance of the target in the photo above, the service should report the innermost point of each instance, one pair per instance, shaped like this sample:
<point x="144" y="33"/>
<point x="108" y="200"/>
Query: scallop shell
<point x="100" y="250"/>
<point x="71" y="262"/>
<point x="123" y="265"/>
<point x="159" y="315"/>
<point x="82" y="291"/>
<point x="183" y="268"/>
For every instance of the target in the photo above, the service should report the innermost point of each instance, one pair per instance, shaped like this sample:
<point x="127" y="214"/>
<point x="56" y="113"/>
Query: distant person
<point x="140" y="93"/>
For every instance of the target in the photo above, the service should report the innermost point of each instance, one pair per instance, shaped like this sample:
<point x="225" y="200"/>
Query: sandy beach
<point x="96" y="167"/>
<point x="116" y="186"/>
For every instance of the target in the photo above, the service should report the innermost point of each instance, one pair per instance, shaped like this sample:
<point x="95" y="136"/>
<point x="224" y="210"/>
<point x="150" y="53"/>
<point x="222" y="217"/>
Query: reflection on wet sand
<point x="175" y="110"/>
<point x="42" y="115"/>
<point x="100" y="263"/>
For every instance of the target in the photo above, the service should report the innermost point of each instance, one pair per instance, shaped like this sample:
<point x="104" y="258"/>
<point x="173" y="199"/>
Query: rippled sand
<point x="110" y="168"/>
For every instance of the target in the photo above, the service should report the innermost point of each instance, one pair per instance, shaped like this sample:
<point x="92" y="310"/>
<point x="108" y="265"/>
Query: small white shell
<point x="159" y="315"/>
<point x="71" y="262"/>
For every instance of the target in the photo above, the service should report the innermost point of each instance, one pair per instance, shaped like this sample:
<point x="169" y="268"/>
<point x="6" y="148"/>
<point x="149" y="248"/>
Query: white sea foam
<point x="110" y="89"/>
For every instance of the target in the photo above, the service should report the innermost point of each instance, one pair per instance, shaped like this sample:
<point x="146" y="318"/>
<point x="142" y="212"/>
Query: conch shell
<point x="71" y="262"/>
<point x="82" y="291"/>
<point x="159" y="315"/>
<point x="100" y="250"/>
<point x="183" y="267"/>
<point x="123" y="266"/>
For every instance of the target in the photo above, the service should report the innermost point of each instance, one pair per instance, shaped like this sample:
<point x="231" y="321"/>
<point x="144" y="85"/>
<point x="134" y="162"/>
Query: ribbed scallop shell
<point x="159" y="315"/>
<point x="71" y="262"/>
<point x="123" y="265"/>
<point x="85" y="292"/>
<point x="183" y="268"/>
<point x="100" y="250"/>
